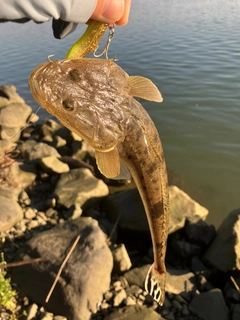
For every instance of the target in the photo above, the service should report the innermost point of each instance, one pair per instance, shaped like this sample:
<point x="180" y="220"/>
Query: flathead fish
<point x="94" y="99"/>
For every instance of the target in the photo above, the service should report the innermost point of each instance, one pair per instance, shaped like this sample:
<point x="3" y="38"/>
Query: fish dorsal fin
<point x="144" y="88"/>
<point x="108" y="163"/>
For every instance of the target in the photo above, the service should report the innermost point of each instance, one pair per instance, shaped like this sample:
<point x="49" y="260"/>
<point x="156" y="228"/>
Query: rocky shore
<point x="51" y="192"/>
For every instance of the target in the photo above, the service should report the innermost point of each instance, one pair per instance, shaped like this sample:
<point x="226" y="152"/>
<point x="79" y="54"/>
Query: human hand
<point x="108" y="11"/>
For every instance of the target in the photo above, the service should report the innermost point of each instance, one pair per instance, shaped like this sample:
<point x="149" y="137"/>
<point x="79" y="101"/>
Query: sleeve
<point x="75" y="11"/>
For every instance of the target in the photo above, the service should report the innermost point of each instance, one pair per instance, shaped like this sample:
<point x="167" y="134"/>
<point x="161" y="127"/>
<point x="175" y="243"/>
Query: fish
<point x="94" y="98"/>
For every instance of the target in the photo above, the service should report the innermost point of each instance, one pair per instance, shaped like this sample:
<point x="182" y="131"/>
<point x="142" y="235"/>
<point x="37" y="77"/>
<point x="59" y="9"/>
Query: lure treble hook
<point x="110" y="36"/>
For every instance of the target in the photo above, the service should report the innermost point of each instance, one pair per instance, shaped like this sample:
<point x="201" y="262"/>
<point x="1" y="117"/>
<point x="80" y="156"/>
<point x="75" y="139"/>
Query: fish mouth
<point x="34" y="83"/>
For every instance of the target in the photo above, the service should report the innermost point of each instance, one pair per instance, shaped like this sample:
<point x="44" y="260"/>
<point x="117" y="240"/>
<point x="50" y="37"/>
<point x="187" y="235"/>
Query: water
<point x="191" y="50"/>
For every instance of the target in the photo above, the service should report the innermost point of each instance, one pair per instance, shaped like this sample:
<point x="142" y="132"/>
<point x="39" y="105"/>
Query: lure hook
<point x="110" y="36"/>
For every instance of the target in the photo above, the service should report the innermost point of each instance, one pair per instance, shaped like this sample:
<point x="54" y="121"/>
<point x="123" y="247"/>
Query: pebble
<point x="46" y="316"/>
<point x="177" y="305"/>
<point x="119" y="297"/>
<point x="130" y="301"/>
<point x="30" y="213"/>
<point x="32" y="224"/>
<point x="32" y="312"/>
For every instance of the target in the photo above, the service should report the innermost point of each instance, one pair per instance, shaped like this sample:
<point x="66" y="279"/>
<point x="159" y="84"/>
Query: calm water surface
<point x="191" y="50"/>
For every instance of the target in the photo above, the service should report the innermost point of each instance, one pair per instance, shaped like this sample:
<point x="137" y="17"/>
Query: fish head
<point x="88" y="96"/>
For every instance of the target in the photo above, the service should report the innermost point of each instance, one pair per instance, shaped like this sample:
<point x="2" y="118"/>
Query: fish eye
<point x="68" y="105"/>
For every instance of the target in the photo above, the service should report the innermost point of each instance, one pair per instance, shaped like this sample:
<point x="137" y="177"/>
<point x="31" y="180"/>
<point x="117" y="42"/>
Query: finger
<point x="109" y="11"/>
<point x="125" y="16"/>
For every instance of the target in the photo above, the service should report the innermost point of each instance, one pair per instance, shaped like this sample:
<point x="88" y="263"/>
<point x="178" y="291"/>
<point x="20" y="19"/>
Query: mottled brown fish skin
<point x="91" y="98"/>
<point x="142" y="153"/>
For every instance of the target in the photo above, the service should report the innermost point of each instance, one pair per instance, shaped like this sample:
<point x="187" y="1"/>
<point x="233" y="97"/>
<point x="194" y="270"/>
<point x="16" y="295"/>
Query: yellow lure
<point x="88" y="41"/>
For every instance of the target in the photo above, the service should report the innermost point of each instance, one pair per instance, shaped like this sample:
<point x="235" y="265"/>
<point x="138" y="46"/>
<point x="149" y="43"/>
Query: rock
<point x="137" y="276"/>
<point x="130" y="301"/>
<point x="33" y="150"/>
<point x="236" y="312"/>
<point x="198" y="267"/>
<point x="224" y="251"/>
<point x="32" y="312"/>
<point x="30" y="213"/>
<point x="185" y="249"/>
<point x="49" y="127"/>
<point x="9" y="95"/>
<point x="121" y="260"/>
<point x="15" y="115"/>
<point x="58" y="142"/>
<point x="79" y="186"/>
<point x="59" y="318"/>
<point x="134" y="312"/>
<point x="52" y="164"/>
<point x="183" y="208"/>
<point x="181" y="282"/>
<point x="200" y="233"/>
<point x="12" y="134"/>
<point x="74" y="163"/>
<point x="119" y="297"/>
<point x="46" y="316"/>
<point x="10" y="212"/>
<point x="128" y="206"/>
<point x="80" y="149"/>
<point x="5" y="147"/>
<point x="20" y="174"/>
<point x="74" y="212"/>
<point x="85" y="277"/>
<point x="210" y="306"/>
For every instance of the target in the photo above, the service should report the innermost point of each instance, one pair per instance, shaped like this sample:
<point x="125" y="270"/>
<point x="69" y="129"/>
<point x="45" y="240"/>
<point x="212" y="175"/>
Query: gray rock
<point x="134" y="312"/>
<point x="224" y="251"/>
<point x="137" y="276"/>
<point x="49" y="127"/>
<point x="185" y="249"/>
<point x="52" y="164"/>
<point x="12" y="134"/>
<point x="15" y="115"/>
<point x="85" y="277"/>
<point x="198" y="267"/>
<point x="121" y="260"/>
<point x="20" y="174"/>
<point x="236" y="312"/>
<point x="10" y="212"/>
<point x="181" y="282"/>
<point x="210" y="305"/>
<point x="80" y="149"/>
<point x="183" y="208"/>
<point x="128" y="205"/>
<point x="58" y="142"/>
<point x="9" y="95"/>
<point x="33" y="150"/>
<point x="5" y="147"/>
<point x="200" y="233"/>
<point x="79" y="186"/>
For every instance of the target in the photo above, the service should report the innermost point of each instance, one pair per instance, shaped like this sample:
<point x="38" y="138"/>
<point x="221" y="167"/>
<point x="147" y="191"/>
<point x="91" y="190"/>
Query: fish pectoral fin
<point x="124" y="173"/>
<point x="108" y="162"/>
<point x="144" y="88"/>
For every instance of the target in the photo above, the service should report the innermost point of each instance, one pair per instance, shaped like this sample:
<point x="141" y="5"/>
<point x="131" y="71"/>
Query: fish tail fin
<point x="155" y="284"/>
